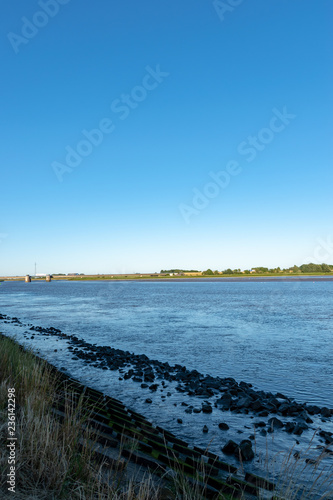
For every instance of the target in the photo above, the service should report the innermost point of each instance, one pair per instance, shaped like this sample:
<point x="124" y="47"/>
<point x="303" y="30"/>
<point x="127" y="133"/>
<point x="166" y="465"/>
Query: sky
<point x="140" y="136"/>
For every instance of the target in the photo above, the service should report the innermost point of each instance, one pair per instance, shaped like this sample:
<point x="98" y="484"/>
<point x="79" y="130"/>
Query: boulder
<point x="299" y="428"/>
<point x="327" y="435"/>
<point x="275" y="423"/>
<point x="246" y="451"/>
<point x="325" y="412"/>
<point x="225" y="401"/>
<point x="256" y="405"/>
<point x="230" y="447"/>
<point x="244" y="402"/>
<point x="206" y="408"/>
<point x="290" y="427"/>
<point x="313" y="409"/>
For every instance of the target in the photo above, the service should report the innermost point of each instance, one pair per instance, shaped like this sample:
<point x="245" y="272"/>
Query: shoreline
<point x="207" y="279"/>
<point x="151" y="449"/>
<point x="201" y="396"/>
<point x="152" y="373"/>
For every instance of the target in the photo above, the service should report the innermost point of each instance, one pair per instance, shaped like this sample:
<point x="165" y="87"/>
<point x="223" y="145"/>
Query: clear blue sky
<point x="181" y="90"/>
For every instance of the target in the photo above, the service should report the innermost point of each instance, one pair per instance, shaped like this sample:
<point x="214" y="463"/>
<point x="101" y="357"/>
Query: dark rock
<point x="325" y="412"/>
<point x="275" y="423"/>
<point x="256" y="405"/>
<point x="246" y="450"/>
<point x="179" y="420"/>
<point x="290" y="426"/>
<point x="328" y="436"/>
<point x="281" y="396"/>
<point x="295" y="409"/>
<point x="223" y="426"/>
<point x="305" y="416"/>
<point x="230" y="447"/>
<point x="128" y="374"/>
<point x="144" y="385"/>
<point x="206" y="408"/>
<point x="299" y="428"/>
<point x="284" y="408"/>
<point x="225" y="401"/>
<point x="244" y="402"/>
<point x="260" y="424"/>
<point x="313" y="409"/>
<point x="244" y="385"/>
<point x="149" y="377"/>
<point x="148" y="400"/>
<point x="205" y="428"/>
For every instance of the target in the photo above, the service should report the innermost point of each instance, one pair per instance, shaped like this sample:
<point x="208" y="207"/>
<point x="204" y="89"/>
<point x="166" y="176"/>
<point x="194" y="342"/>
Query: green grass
<point x="241" y="275"/>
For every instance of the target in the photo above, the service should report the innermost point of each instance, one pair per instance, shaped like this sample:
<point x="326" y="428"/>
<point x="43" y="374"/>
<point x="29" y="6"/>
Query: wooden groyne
<point x="120" y="431"/>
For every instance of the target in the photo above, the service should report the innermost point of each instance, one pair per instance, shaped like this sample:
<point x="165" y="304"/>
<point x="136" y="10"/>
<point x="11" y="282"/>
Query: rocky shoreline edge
<point x="122" y="435"/>
<point x="220" y="393"/>
<point x="227" y="393"/>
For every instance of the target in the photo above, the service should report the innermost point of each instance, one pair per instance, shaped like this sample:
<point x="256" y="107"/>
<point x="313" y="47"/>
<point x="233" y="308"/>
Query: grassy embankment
<point x="55" y="457"/>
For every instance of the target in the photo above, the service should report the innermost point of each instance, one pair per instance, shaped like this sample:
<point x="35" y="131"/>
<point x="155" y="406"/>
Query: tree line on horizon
<point x="303" y="269"/>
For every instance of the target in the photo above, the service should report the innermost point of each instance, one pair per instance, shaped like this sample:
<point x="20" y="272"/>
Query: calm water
<point x="278" y="336"/>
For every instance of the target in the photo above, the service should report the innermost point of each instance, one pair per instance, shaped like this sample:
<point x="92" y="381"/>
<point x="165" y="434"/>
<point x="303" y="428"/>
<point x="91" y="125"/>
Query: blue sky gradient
<point x="196" y="86"/>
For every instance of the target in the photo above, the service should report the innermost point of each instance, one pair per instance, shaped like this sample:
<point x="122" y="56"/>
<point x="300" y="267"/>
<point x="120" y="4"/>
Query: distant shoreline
<point x="238" y="279"/>
<point x="207" y="279"/>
